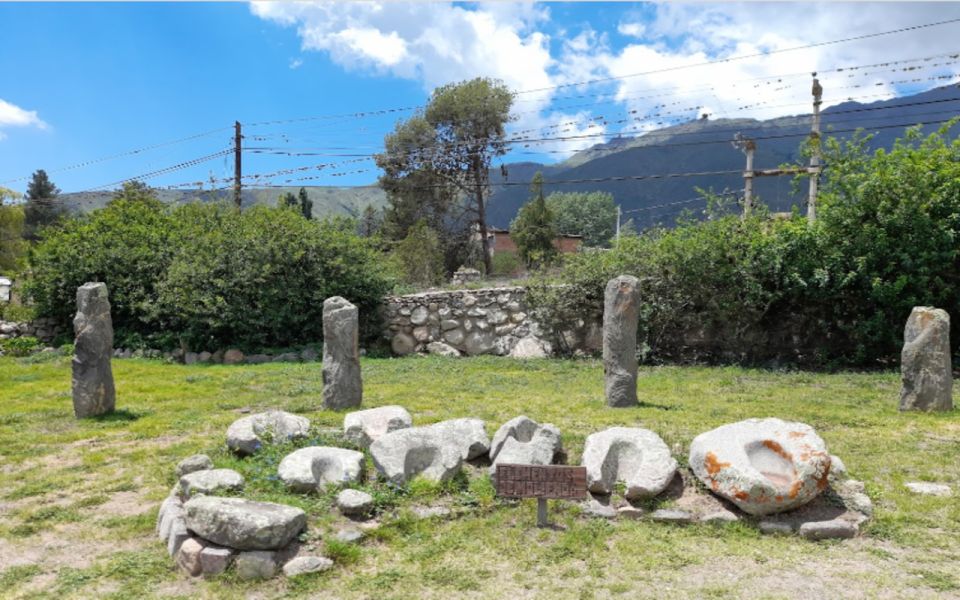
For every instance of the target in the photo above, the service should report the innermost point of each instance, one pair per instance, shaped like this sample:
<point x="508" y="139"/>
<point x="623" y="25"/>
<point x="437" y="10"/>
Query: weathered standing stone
<point x="243" y="524"/>
<point x="93" y="391"/>
<point x="621" y="305"/>
<point x="925" y="364"/>
<point x="342" y="386"/>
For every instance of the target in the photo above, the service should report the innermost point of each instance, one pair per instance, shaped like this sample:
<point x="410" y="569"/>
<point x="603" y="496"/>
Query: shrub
<point x="211" y="275"/>
<point x="20" y="346"/>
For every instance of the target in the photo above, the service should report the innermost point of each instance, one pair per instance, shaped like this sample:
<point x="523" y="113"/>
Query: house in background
<point x="499" y="240"/>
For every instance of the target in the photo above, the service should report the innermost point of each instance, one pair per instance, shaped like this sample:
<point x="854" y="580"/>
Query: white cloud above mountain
<point x="648" y="72"/>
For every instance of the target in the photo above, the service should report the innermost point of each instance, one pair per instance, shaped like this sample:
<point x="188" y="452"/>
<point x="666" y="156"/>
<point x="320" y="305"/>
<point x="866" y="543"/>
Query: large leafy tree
<point x="12" y="245"/>
<point x="590" y="214"/>
<point x="42" y="208"/>
<point x="534" y="229"/>
<point x="443" y="154"/>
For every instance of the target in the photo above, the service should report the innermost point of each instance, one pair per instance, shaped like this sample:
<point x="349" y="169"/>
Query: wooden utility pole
<point x="618" y="224"/>
<point x="748" y="147"/>
<point x="236" y="163"/>
<point x="815" y="151"/>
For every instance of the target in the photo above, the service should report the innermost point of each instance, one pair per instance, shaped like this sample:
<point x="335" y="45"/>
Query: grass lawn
<point x="78" y="499"/>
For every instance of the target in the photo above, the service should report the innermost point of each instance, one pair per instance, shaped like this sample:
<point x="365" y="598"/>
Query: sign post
<point x="541" y="482"/>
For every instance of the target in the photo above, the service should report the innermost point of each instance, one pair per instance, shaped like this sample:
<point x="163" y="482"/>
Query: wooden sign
<point x="542" y="481"/>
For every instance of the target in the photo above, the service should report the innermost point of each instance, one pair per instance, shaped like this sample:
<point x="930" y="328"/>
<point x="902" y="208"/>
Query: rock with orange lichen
<point x="764" y="466"/>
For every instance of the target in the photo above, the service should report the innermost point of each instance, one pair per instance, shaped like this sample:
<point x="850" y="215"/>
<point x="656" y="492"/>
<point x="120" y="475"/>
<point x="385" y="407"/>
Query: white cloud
<point x="12" y="115"/>
<point x="436" y="43"/>
<point x="296" y="63"/>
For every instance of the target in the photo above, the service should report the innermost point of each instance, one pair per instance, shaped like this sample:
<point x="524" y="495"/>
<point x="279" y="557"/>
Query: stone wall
<point x="44" y="330"/>
<point x="485" y="321"/>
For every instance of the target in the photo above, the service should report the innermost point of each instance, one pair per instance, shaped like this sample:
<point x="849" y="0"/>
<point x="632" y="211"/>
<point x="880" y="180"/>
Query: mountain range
<point x="699" y="146"/>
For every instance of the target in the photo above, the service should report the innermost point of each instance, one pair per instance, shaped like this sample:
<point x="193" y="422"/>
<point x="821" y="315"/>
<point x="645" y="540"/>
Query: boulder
<point x="469" y="435"/>
<point x="243" y="524"/>
<point x="354" y="502"/>
<point x="521" y="428"/>
<point x="364" y="426"/>
<point x="637" y="457"/>
<point x="210" y="481"/>
<point x="453" y="336"/>
<point x="441" y="349"/>
<point x="342" y="385"/>
<point x="426" y="452"/>
<point x="93" y="390"/>
<point x="313" y="468"/>
<point x="763" y="466"/>
<point x="233" y="357"/>
<point x="541" y="448"/>
<point x="528" y="347"/>
<point x="925" y="361"/>
<point x="303" y="565"/>
<point x="478" y="342"/>
<point x="621" y="313"/>
<point x="256" y="565"/>
<point x="247" y="434"/>
<point x="402" y="344"/>
<point x="191" y="464"/>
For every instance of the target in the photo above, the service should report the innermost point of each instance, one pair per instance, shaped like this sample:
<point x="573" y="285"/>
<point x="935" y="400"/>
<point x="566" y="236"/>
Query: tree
<point x="300" y="203"/>
<point x="590" y="214"/>
<point x="41" y="209"/>
<point x="12" y="245"/>
<point x="419" y="256"/>
<point x="135" y="191"/>
<point x="444" y="153"/>
<point x="305" y="203"/>
<point x="370" y="222"/>
<point x="534" y="229"/>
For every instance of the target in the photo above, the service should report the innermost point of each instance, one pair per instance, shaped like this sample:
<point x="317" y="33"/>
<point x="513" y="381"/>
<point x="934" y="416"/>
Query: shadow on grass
<point x="118" y="416"/>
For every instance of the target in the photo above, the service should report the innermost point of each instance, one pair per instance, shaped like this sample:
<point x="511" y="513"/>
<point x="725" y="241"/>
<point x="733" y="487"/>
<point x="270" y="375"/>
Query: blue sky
<point x="81" y="82"/>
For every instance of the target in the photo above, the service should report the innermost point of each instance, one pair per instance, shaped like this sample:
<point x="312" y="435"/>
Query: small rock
<point x="430" y="512"/>
<point x="350" y="535"/>
<point x="204" y="357"/>
<point x="192" y="464"/>
<point x="599" y="509"/>
<point x="190" y="358"/>
<point x="441" y="349"/>
<point x="929" y="489"/>
<point x="245" y="435"/>
<point x="825" y="530"/>
<point x="257" y="564"/>
<point x="672" y="515"/>
<point x="188" y="558"/>
<point x="303" y="565"/>
<point x="775" y="528"/>
<point x="720" y="516"/>
<point x="215" y="560"/>
<point x="630" y="512"/>
<point x="528" y="347"/>
<point x="210" y="481"/>
<point x="354" y="502"/>
<point x="838" y="470"/>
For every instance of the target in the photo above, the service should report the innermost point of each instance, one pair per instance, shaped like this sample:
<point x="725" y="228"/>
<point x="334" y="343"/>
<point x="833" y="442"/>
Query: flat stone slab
<point x="636" y="457"/>
<point x="775" y="528"/>
<point x="763" y="466"/>
<point x="363" y="427"/>
<point x="247" y="434"/>
<point x="210" y="481"/>
<point x="350" y="535"/>
<point x="720" y="516"/>
<point x="243" y="524"/>
<point x="826" y="530"/>
<point x="671" y="515"/>
<point x="598" y="509"/>
<point x="315" y="467"/>
<point x="929" y="489"/>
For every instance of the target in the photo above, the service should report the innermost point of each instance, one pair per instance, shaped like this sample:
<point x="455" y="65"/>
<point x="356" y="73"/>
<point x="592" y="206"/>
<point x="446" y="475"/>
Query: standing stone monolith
<point x="621" y="306"/>
<point x="93" y="391"/>
<point x="925" y="364"/>
<point x="342" y="386"/>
